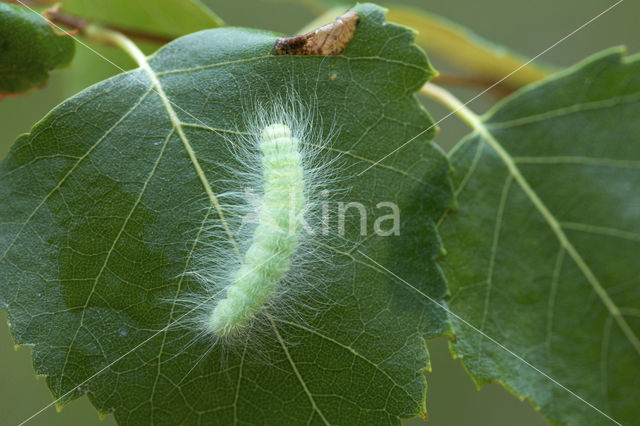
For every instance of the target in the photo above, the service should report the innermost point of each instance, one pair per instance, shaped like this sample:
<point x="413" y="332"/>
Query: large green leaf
<point x="543" y="253"/>
<point x="29" y="49"/>
<point x="102" y="207"/>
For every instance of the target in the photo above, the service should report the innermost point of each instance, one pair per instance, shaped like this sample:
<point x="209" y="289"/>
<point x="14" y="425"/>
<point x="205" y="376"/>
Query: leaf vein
<point x="494" y="247"/>
<point x="561" y="112"/>
<point x="585" y="161"/>
<point x="110" y="251"/>
<point x="296" y="372"/>
<point x="72" y="169"/>
<point x="348" y="348"/>
<point x="601" y="230"/>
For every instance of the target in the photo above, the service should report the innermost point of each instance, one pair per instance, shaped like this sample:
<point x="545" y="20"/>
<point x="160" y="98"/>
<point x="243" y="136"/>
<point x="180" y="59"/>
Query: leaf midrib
<point x="177" y="125"/>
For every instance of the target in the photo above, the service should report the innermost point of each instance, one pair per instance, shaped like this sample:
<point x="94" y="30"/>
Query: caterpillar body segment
<point x="275" y="239"/>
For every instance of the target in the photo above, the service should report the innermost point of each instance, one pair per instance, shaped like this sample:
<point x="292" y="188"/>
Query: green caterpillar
<point x="275" y="238"/>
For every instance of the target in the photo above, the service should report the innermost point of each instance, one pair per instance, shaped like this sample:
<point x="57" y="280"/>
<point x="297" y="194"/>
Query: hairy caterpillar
<point x="275" y="239"/>
<point x="281" y="180"/>
<point x="284" y="154"/>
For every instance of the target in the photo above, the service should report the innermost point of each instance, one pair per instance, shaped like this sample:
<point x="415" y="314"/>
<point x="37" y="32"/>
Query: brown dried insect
<point x="330" y="39"/>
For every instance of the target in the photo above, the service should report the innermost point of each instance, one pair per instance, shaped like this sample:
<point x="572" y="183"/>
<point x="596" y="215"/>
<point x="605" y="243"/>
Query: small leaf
<point x="543" y="253"/>
<point x="29" y="49"/>
<point x="103" y="206"/>
<point x="171" y="18"/>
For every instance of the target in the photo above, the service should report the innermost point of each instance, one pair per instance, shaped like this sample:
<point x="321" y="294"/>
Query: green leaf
<point x="543" y="253"/>
<point x="29" y="49"/>
<point x="172" y="18"/>
<point x="103" y="206"/>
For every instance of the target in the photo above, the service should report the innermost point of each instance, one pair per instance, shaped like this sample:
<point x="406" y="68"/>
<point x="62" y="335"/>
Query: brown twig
<point x="79" y="25"/>
<point x="499" y="91"/>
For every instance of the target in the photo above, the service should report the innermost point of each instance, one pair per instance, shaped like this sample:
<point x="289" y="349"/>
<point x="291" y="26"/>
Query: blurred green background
<point x="525" y="26"/>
